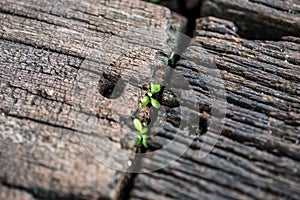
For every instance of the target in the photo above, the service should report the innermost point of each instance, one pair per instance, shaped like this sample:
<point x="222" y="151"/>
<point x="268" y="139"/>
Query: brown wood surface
<point x="43" y="46"/>
<point x="258" y="153"/>
<point x="258" y="18"/>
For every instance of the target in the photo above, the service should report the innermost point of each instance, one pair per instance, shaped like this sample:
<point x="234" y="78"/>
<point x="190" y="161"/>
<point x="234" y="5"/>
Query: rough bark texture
<point x="258" y="18"/>
<point x="51" y="50"/>
<point x="44" y="47"/>
<point x="258" y="153"/>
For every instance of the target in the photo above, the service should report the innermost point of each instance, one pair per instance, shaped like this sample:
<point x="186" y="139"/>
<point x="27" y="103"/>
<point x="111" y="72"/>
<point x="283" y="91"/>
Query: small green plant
<point x="154" y="88"/>
<point x="141" y="137"/>
<point x="173" y="58"/>
<point x="153" y="1"/>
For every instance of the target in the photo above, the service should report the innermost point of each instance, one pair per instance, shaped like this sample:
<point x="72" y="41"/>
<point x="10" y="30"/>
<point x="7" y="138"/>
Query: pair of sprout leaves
<point x="141" y="137"/>
<point x="154" y="88"/>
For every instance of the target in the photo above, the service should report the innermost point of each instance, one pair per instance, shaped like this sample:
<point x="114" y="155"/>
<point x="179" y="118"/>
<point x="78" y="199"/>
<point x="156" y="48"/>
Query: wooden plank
<point x="262" y="19"/>
<point x="10" y="194"/>
<point x="257" y="155"/>
<point x="45" y="45"/>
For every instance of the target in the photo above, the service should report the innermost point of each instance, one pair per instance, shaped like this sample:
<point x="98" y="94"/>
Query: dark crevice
<point x="192" y="14"/>
<point x="188" y="9"/>
<point x="126" y="186"/>
<point x="127" y="181"/>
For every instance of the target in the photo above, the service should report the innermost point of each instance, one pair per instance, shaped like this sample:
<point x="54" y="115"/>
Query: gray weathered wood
<point x="258" y="153"/>
<point x="258" y="18"/>
<point x="43" y="46"/>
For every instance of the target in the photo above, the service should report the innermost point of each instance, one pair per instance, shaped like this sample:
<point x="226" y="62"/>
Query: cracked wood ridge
<point x="43" y="46"/>
<point x="49" y="48"/>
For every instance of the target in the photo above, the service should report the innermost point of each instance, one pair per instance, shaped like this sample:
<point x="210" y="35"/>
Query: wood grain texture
<point x="257" y="155"/>
<point x="44" y="47"/>
<point x="258" y="18"/>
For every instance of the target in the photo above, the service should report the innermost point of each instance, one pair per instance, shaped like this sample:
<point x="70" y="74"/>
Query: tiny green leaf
<point x="172" y="56"/>
<point x="145" y="139"/>
<point x="138" y="124"/>
<point x="144" y="130"/>
<point x="145" y="101"/>
<point x="138" y="141"/>
<point x="149" y="93"/>
<point x="153" y="1"/>
<point x="154" y="88"/>
<point x="155" y="103"/>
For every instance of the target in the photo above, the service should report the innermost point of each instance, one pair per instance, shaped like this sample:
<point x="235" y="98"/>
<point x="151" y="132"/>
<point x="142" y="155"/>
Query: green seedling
<point x="154" y="88"/>
<point x="141" y="137"/>
<point x="173" y="58"/>
<point x="153" y="1"/>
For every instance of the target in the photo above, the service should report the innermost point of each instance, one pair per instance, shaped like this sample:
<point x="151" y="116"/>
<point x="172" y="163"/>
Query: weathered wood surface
<point x="258" y="153"/>
<point x="43" y="45"/>
<point x="258" y="18"/>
